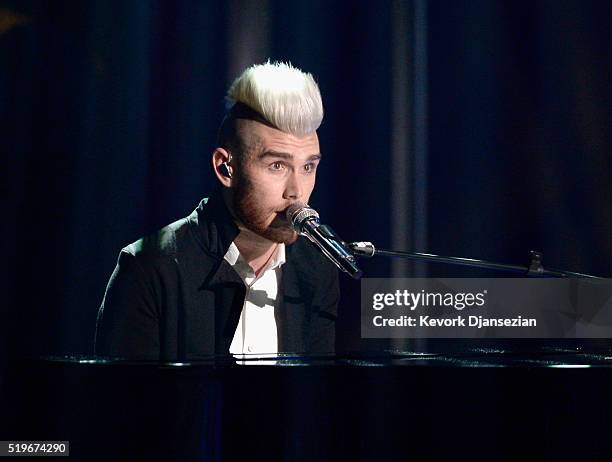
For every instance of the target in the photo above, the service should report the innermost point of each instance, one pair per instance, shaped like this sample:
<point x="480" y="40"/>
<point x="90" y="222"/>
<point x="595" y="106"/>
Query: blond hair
<point x="286" y="97"/>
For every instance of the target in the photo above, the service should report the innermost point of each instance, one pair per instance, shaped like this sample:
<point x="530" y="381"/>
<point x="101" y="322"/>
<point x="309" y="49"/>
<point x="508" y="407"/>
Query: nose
<point x="293" y="187"/>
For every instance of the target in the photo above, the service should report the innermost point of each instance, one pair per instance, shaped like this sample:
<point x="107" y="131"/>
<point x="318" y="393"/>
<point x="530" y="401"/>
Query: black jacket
<point x="172" y="296"/>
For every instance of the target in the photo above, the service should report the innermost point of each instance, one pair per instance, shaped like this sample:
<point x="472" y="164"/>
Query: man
<point x="233" y="277"/>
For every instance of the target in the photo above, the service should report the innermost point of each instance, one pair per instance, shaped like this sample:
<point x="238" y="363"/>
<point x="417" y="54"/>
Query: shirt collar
<point x="279" y="257"/>
<point x="233" y="257"/>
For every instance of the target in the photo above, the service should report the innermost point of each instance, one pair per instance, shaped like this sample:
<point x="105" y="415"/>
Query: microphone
<point x="305" y="221"/>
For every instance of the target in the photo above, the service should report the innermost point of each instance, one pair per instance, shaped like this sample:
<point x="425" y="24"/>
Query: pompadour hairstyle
<point x="283" y="95"/>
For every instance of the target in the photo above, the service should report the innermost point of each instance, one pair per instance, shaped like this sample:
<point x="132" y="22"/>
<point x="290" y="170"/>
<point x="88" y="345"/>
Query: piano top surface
<point x="551" y="357"/>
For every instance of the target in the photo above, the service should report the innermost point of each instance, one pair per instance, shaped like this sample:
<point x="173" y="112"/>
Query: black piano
<point x="477" y="404"/>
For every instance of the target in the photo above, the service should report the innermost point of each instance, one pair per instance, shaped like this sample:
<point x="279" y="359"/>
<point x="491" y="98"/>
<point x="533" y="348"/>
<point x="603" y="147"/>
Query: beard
<point x="254" y="217"/>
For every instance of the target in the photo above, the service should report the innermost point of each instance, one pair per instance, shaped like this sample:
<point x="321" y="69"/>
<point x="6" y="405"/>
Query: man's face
<point x="276" y="170"/>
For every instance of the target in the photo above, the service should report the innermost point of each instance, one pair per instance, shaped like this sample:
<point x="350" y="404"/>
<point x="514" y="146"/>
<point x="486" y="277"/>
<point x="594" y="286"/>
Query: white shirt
<point x="256" y="332"/>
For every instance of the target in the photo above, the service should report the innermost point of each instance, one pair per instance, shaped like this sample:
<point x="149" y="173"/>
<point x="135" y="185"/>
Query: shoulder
<point x="160" y="246"/>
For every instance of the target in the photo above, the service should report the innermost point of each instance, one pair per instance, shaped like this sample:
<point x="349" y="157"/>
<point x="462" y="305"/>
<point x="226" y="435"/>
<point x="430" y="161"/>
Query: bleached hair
<point x="284" y="95"/>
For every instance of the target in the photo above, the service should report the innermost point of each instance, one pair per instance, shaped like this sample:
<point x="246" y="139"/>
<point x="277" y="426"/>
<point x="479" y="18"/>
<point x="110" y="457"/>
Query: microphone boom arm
<point x="535" y="268"/>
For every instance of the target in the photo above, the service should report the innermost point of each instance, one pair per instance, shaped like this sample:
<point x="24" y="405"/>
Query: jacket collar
<point x="213" y="225"/>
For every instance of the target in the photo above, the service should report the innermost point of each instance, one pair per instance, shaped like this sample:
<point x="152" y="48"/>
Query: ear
<point x="220" y="158"/>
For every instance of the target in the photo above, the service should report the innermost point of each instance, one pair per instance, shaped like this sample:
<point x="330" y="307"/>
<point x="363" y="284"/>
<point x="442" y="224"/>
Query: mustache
<point x="288" y="206"/>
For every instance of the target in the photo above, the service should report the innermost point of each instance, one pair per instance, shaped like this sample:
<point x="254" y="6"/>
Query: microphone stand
<point x="535" y="268"/>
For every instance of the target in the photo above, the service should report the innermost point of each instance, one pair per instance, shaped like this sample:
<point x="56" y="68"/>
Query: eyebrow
<point x="285" y="155"/>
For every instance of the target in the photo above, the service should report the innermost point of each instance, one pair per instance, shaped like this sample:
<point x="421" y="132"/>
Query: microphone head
<point x="297" y="214"/>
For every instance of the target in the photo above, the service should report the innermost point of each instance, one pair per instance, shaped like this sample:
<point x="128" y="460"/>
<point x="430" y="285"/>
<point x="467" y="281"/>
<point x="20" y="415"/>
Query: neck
<point x="255" y="249"/>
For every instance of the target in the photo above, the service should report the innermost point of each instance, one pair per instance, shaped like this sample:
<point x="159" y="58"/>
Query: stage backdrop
<point x="467" y="128"/>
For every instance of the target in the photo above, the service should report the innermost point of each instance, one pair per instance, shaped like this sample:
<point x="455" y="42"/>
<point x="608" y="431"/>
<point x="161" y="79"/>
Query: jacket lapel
<point x="215" y="230"/>
<point x="228" y="292"/>
<point x="293" y="313"/>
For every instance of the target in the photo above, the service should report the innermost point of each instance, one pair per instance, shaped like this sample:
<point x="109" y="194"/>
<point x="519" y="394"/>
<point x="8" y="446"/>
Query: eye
<point x="311" y="167"/>
<point x="277" y="166"/>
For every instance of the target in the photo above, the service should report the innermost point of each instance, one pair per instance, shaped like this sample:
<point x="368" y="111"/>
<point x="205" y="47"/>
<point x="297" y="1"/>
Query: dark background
<point x="469" y="128"/>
